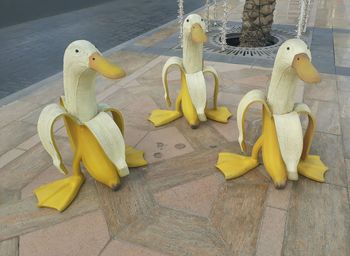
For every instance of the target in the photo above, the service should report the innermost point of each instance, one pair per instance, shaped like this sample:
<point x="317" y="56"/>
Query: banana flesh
<point x="290" y="139"/>
<point x="110" y="139"/>
<point x="198" y="93"/>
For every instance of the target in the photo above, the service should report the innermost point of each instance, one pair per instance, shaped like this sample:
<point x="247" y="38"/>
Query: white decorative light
<point x="307" y="14"/>
<point x="303" y="16"/>
<point x="180" y="17"/>
<point x="215" y="4"/>
<point x="207" y="18"/>
<point x="223" y="30"/>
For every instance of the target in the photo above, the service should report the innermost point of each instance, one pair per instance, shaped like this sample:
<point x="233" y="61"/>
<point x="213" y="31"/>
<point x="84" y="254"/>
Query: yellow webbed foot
<point x="220" y="114"/>
<point x="134" y="157"/>
<point x="59" y="194"/>
<point x="233" y="165"/>
<point x="161" y="117"/>
<point x="313" y="168"/>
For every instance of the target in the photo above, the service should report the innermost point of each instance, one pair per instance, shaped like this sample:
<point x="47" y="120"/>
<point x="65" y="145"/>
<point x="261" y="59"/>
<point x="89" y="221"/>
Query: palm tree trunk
<point x="257" y="21"/>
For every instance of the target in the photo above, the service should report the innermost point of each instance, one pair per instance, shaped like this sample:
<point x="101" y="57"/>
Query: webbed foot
<point x="59" y="194"/>
<point x="161" y="117"/>
<point x="233" y="165"/>
<point x="220" y="114"/>
<point x="313" y="168"/>
<point x="134" y="157"/>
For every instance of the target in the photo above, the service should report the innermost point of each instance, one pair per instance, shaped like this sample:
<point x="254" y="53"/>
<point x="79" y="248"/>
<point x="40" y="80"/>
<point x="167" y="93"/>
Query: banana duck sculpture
<point x="285" y="152"/>
<point x="95" y="137"/>
<point x="191" y="101"/>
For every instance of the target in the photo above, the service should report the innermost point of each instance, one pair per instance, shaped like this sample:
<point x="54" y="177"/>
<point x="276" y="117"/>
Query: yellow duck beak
<point x="104" y="67"/>
<point x="197" y="34"/>
<point x="305" y="70"/>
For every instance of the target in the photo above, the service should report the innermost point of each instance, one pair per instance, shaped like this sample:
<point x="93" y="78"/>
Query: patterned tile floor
<point x="179" y="204"/>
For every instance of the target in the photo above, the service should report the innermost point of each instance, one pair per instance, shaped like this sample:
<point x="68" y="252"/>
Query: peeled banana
<point x="95" y="137"/>
<point x="192" y="99"/>
<point x="285" y="151"/>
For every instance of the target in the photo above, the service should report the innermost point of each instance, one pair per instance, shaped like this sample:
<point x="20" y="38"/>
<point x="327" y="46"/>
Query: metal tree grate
<point x="267" y="52"/>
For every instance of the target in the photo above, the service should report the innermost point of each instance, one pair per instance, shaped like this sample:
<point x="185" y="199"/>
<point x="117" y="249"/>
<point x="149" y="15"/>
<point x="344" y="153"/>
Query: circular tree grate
<point x="266" y="52"/>
<point x="213" y="45"/>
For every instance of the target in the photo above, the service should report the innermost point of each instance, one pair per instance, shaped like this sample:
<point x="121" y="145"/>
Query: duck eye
<point x="201" y="19"/>
<point x="188" y="20"/>
<point x="288" y="48"/>
<point x="76" y="50"/>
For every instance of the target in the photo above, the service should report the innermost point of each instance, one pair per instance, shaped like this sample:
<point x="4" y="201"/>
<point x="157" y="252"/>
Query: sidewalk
<point x="180" y="204"/>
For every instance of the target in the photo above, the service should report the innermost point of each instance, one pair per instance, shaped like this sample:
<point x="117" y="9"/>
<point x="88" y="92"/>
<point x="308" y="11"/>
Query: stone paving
<point x="179" y="204"/>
